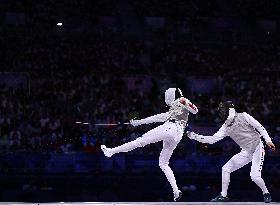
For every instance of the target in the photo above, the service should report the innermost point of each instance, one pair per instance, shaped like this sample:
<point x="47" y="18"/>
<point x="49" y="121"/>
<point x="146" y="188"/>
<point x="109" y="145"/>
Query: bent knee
<point x="255" y="177"/>
<point x="225" y="168"/>
<point x="163" y="166"/>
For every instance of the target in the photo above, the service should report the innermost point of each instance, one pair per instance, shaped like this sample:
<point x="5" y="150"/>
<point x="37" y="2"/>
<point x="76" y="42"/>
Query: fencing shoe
<point x="267" y="198"/>
<point x="106" y="151"/>
<point x="178" y="195"/>
<point x="220" y="198"/>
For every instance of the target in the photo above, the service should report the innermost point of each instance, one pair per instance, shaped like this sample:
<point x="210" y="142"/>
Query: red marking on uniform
<point x="182" y="101"/>
<point x="192" y="106"/>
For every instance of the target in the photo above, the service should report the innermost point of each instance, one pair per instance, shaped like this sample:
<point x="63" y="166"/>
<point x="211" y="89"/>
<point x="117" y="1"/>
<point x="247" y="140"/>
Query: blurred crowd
<point x="249" y="8"/>
<point x="177" y="9"/>
<point x="105" y="76"/>
<point x="109" y="61"/>
<point x="94" y="79"/>
<point x="48" y="12"/>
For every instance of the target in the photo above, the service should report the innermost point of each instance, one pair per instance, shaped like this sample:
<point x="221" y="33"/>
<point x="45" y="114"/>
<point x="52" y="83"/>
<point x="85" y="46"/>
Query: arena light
<point x="59" y="24"/>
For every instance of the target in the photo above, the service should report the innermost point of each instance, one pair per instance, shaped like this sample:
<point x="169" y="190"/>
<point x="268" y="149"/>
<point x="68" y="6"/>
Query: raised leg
<point x="155" y="135"/>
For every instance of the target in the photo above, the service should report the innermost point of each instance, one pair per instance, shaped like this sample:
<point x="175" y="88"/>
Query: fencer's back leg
<point x="256" y="168"/>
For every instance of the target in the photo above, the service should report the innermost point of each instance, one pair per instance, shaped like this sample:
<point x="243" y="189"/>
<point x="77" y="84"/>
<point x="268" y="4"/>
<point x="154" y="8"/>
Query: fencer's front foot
<point x="178" y="195"/>
<point x="267" y="198"/>
<point x="220" y="198"/>
<point x="107" y="151"/>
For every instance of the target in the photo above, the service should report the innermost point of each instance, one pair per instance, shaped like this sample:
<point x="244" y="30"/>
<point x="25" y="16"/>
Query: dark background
<point x="111" y="61"/>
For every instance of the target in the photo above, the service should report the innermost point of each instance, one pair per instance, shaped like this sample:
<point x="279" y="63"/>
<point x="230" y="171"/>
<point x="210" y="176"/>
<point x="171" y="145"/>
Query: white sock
<point x="260" y="182"/>
<point x="225" y="182"/>
<point x="171" y="178"/>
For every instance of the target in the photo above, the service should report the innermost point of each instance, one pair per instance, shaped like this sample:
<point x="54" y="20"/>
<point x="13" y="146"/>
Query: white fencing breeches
<point x="170" y="135"/>
<point x="241" y="159"/>
<point x="166" y="152"/>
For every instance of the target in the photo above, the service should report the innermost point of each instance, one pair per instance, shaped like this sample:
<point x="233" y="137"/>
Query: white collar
<point x="231" y="116"/>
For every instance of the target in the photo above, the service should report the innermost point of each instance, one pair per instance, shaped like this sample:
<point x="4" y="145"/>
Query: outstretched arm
<point x="260" y="129"/>
<point x="155" y="118"/>
<point x="209" y="139"/>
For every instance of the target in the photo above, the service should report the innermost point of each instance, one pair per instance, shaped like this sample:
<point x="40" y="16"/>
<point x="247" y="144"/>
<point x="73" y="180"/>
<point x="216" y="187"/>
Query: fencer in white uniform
<point x="170" y="132"/>
<point x="247" y="133"/>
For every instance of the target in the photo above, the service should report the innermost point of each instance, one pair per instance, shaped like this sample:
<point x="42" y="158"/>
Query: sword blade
<point x="103" y="124"/>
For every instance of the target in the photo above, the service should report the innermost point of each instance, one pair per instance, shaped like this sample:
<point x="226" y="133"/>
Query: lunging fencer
<point x="171" y="132"/>
<point x="247" y="133"/>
